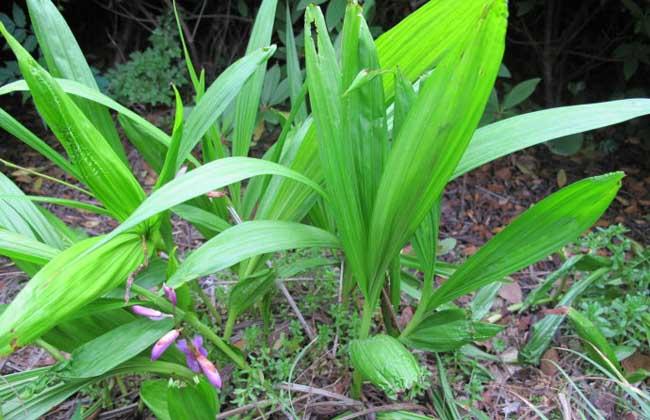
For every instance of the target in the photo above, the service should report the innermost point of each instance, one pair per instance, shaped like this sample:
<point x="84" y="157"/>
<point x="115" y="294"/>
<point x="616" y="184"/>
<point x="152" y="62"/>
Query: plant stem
<point x="230" y="324"/>
<point x="54" y="352"/>
<point x="366" y="320"/>
<point x="191" y="319"/>
<point x="207" y="302"/>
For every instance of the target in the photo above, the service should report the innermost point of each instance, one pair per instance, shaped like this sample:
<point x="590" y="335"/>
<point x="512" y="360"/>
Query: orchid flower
<point x="162" y="344"/>
<point x="170" y="294"/>
<point x="152" y="314"/>
<point x="196" y="358"/>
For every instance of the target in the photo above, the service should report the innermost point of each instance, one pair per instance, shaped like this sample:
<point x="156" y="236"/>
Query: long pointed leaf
<point x="247" y="240"/>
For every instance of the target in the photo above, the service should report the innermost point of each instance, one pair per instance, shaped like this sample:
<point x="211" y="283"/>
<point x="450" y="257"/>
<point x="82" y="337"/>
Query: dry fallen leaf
<point x="511" y="292"/>
<point x="561" y="178"/>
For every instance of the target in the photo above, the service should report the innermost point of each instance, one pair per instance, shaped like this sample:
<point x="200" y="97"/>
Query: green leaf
<point x="507" y="136"/>
<point x="68" y="282"/>
<point x="293" y="66"/>
<point x="154" y="396"/>
<point x="100" y="168"/>
<point x="192" y="402"/>
<point x="596" y="344"/>
<point x="386" y="363"/>
<point x="247" y="240"/>
<point x="448" y="330"/>
<point x="544" y="329"/>
<point x="520" y="93"/>
<point x="568" y="145"/>
<point x="25" y="218"/>
<point x="19" y="131"/>
<point x="217" y="98"/>
<point x="533" y="235"/>
<point x="23" y="248"/>
<point x="209" y="177"/>
<point x="65" y="59"/>
<point x="401" y="415"/>
<point x="248" y="99"/>
<point x="115" y="347"/>
<point x="439" y="141"/>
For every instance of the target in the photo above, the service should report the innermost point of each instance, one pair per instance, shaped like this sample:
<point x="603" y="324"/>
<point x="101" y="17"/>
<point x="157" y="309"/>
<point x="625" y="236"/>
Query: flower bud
<point x="162" y="344"/>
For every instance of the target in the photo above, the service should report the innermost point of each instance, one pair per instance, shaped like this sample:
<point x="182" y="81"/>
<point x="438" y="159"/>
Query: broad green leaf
<point x="200" y="218"/>
<point x="154" y="396"/>
<point x="568" y="145"/>
<point x="25" y="218"/>
<point x="520" y="93"/>
<point x="23" y="248"/>
<point x="337" y="151"/>
<point x="19" y="131"/>
<point x="69" y="281"/>
<point x="439" y="24"/>
<point x="483" y="300"/>
<point x="217" y="98"/>
<point x="596" y="344"/>
<point x="209" y="177"/>
<point x="386" y="363"/>
<point x="65" y="59"/>
<point x="507" y="136"/>
<point x="535" y="234"/>
<point x="100" y="168"/>
<point x="542" y="331"/>
<point x="248" y="98"/>
<point x="247" y="240"/>
<point x="293" y="65"/>
<point x="143" y="132"/>
<point x="448" y="330"/>
<point x="115" y="347"/>
<point x="436" y="141"/>
<point x="192" y="402"/>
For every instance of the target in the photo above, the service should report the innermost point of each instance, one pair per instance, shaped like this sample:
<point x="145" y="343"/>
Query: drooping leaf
<point x="20" y="247"/>
<point x="99" y="166"/>
<point x="209" y="177"/>
<point x="115" y="347"/>
<point x="541" y="230"/>
<point x="386" y="363"/>
<point x="22" y="133"/>
<point x="247" y="240"/>
<point x="23" y="217"/>
<point x="64" y="285"/>
<point x="507" y="136"/>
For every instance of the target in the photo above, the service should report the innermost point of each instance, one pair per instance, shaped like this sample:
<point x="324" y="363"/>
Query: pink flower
<point x="150" y="313"/>
<point x="170" y="293"/>
<point x="162" y="344"/>
<point x="196" y="358"/>
<point x="209" y="370"/>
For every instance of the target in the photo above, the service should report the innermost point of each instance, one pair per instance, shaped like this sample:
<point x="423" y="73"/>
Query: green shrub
<point x="146" y="77"/>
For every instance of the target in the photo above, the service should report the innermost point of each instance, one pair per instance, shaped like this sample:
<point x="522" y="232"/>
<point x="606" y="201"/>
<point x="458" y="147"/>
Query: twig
<point x="319" y="391"/>
<point x="390" y="407"/>
<point x="295" y="309"/>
